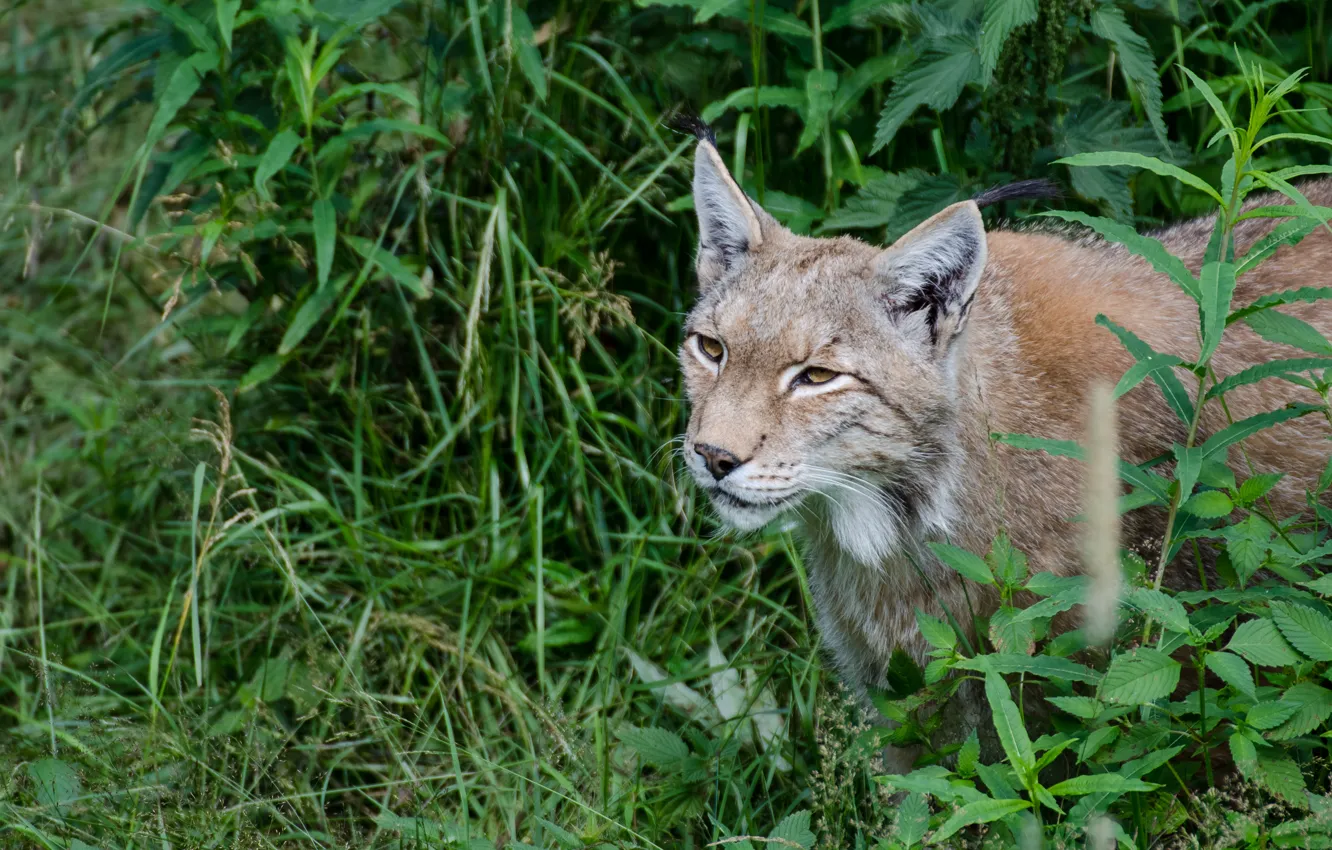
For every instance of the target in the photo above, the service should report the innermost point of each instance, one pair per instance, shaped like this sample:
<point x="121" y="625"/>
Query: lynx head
<point x="822" y="371"/>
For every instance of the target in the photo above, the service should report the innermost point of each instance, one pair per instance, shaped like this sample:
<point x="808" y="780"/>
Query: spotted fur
<point x="947" y="336"/>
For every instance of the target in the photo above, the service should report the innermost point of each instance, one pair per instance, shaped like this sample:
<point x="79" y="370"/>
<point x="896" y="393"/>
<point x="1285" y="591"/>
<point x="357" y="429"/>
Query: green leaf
<point x="1096" y="741"/>
<point x="1008" y="723"/>
<point x="913" y="818"/>
<point x="1146" y="247"/>
<point x="1237" y="431"/>
<point x="1140" y="676"/>
<point x="794" y="828"/>
<point x="1001" y="17"/>
<point x="1281" y="775"/>
<point x="1102" y="783"/>
<point x="1286" y="233"/>
<point x="260" y="372"/>
<point x="279" y="151"/>
<point x="1084" y="708"/>
<point x="1257" y="486"/>
<point x="936" y="81"/>
<point x="1217" y="287"/>
<point x="1135" y="62"/>
<point x="325" y="235"/>
<point x="870" y="72"/>
<point x="1007" y="563"/>
<point x="875" y="205"/>
<point x="979" y="811"/>
<point x="1306" y="294"/>
<point x="309" y="314"/>
<point x="1208" y="504"/>
<point x="1267" y="715"/>
<point x="1271" y="369"/>
<point x="1262" y="644"/>
<point x="1162" y="608"/>
<point x="904" y="674"/>
<point x="181" y="86"/>
<point x="1067" y="448"/>
<point x="1307" y="630"/>
<point x="55" y="783"/>
<point x="657" y="747"/>
<point x="1232" y="670"/>
<point x="1285" y="329"/>
<point x="1011" y="635"/>
<point x="1100" y="125"/>
<point x="997" y="778"/>
<point x="819" y="89"/>
<point x="1244" y="753"/>
<point x="1046" y="666"/>
<point x="1166" y="379"/>
<point x="968" y="756"/>
<point x="1137" y="160"/>
<point x="226" y="19"/>
<point x="965" y="563"/>
<point x="935" y="631"/>
<point x="1313" y="706"/>
<point x="529" y="55"/>
<point x="388" y="263"/>
<point x="768" y="96"/>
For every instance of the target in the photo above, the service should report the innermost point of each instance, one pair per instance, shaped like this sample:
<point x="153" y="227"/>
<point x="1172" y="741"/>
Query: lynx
<point x="854" y="387"/>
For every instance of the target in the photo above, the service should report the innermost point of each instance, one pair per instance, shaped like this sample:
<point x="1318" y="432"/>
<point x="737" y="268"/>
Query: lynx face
<point x="820" y="372"/>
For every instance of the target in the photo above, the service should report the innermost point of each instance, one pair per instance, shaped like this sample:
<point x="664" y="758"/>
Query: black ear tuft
<point x="1022" y="190"/>
<point x="688" y="122"/>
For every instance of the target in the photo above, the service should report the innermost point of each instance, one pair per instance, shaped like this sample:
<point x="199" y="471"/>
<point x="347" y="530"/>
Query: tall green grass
<point x="338" y="397"/>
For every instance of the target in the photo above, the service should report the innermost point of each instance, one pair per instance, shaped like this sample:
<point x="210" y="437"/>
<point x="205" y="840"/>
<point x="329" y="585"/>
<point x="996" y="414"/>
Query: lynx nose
<point x="719" y="461"/>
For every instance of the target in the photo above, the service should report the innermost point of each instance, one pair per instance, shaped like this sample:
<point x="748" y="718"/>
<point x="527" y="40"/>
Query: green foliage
<point x="421" y="573"/>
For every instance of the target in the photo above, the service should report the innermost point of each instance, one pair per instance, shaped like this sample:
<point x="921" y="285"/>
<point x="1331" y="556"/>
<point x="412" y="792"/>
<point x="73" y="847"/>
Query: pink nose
<point x="719" y="461"/>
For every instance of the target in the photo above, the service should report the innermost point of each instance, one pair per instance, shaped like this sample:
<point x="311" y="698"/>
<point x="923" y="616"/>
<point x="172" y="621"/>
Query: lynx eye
<point x="711" y="348"/>
<point x="816" y="375"/>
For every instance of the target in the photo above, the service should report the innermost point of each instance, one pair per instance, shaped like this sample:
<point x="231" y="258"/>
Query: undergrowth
<point x="337" y="393"/>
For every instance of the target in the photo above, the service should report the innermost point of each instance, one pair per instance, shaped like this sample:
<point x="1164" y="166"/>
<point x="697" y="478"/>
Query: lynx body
<point x="857" y="386"/>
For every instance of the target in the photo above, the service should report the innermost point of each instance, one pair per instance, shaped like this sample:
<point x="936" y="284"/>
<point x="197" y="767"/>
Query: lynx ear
<point x="931" y="274"/>
<point x="729" y="224"/>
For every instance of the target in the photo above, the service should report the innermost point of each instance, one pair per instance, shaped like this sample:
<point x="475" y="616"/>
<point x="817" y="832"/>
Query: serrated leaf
<point x="1284" y="329"/>
<point x="1267" y="715"/>
<point x="795" y="829"/>
<point x="1271" y="369"/>
<point x="1132" y="159"/>
<point x="1244" y="753"/>
<point x="1012" y="635"/>
<point x="276" y="156"/>
<point x="1247" y="543"/>
<point x="658" y="747"/>
<point x="1232" y="670"/>
<point x="1007" y="563"/>
<point x="1140" y="676"/>
<point x="1286" y="233"/>
<point x="969" y="755"/>
<point x="1306" y="295"/>
<point x="978" y="811"/>
<point x="1099" y="125"/>
<point x="1261" y="643"/>
<point x="1046" y="666"/>
<point x="936" y="81"/>
<point x="875" y="205"/>
<point x="1099" y="783"/>
<point x="1208" y="504"/>
<point x="1160" y="607"/>
<point x="1307" y="630"/>
<point x="1001" y="17"/>
<point x="1082" y="707"/>
<point x="1008" y="724"/>
<point x="1096" y="741"/>
<point x="1216" y="285"/>
<point x="1146" y="247"/>
<point x="1237" y="431"/>
<point x="1257" y="486"/>
<point x="1136" y="63"/>
<point x="1281" y="775"/>
<point x="913" y="818"/>
<point x="965" y="563"/>
<point x="936" y="632"/>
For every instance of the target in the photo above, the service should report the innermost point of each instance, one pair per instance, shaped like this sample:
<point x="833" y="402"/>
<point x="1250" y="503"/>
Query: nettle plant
<point x="1125" y="757"/>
